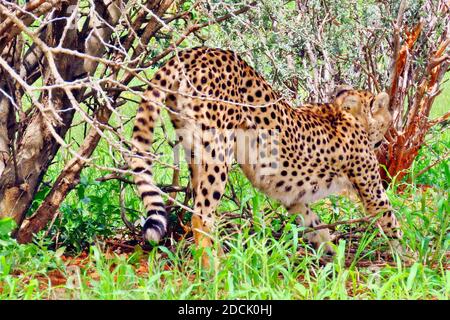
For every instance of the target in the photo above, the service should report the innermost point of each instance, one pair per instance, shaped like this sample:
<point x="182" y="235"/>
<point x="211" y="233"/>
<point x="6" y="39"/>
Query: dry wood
<point x="408" y="132"/>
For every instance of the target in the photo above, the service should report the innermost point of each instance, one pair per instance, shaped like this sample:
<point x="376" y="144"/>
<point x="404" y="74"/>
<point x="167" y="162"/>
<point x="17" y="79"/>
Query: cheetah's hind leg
<point x="208" y="182"/>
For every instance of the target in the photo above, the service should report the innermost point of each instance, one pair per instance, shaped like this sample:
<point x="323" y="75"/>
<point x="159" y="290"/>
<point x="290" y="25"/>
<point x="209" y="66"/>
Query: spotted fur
<point x="319" y="149"/>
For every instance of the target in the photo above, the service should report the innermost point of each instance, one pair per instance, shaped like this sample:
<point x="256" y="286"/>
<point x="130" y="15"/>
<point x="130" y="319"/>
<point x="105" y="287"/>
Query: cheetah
<point x="224" y="111"/>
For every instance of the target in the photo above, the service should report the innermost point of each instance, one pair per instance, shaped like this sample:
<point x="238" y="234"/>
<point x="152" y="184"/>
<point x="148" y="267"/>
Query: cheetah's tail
<point x="155" y="225"/>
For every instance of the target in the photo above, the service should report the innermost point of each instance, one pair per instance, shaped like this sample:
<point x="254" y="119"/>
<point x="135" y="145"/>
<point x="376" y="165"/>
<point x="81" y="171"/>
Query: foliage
<point x="85" y="252"/>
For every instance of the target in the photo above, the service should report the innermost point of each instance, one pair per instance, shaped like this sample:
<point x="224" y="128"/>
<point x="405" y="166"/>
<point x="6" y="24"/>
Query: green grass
<point x="256" y="266"/>
<point x="264" y="261"/>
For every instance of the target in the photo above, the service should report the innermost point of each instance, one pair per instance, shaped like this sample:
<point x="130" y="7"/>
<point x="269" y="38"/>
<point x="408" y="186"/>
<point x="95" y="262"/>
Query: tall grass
<point x="265" y="261"/>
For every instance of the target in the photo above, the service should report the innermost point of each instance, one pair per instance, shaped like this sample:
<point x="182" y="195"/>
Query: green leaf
<point x="60" y="252"/>
<point x="412" y="276"/>
<point x="301" y="289"/>
<point x="6" y="226"/>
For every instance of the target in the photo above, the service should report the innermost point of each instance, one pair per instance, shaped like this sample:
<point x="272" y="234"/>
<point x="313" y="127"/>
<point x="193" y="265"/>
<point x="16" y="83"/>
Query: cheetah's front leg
<point x="375" y="200"/>
<point x="308" y="218"/>
<point x="372" y="194"/>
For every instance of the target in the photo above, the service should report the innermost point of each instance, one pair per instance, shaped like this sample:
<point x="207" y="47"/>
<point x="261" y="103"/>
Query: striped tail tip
<point x="154" y="228"/>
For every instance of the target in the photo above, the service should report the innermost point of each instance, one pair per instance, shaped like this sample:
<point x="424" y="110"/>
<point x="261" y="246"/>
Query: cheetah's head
<point x="371" y="111"/>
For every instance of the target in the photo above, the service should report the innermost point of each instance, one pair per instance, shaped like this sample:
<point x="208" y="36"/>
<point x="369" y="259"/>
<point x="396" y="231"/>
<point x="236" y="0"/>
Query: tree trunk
<point x="69" y="177"/>
<point x="37" y="147"/>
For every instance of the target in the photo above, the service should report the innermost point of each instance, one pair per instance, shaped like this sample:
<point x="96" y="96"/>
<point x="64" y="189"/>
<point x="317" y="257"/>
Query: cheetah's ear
<point x="381" y="115"/>
<point x="380" y="120"/>
<point x="380" y="102"/>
